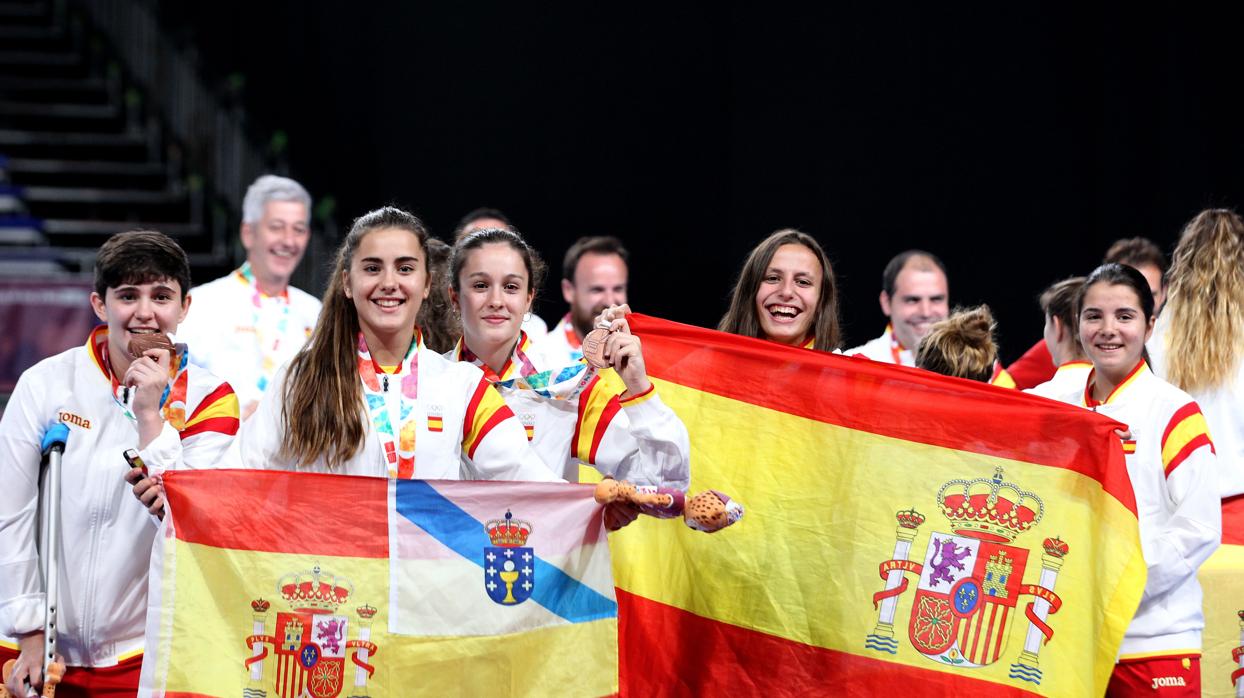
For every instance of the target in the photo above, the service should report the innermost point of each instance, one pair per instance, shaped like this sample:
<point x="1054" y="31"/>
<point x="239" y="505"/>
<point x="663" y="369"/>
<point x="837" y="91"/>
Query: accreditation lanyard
<point x="520" y="374"/>
<point x="269" y="327"/>
<point x="391" y="401"/>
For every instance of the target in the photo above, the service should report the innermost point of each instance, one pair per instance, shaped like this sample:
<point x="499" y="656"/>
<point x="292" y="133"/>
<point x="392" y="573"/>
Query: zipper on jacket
<point x="385" y="382"/>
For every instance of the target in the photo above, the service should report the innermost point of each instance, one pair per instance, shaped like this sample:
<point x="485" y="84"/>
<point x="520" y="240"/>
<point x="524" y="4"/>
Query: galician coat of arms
<point x="311" y="640"/>
<point x="509" y="565"/>
<point x="971" y="580"/>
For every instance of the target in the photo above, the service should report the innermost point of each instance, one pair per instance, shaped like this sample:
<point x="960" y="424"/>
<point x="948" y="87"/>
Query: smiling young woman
<point x="612" y="420"/>
<point x="786" y="293"/>
<point x="1171" y="463"/>
<point x="365" y="397"/>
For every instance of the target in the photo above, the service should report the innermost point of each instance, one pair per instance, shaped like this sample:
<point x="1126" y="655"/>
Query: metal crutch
<point x="49" y="531"/>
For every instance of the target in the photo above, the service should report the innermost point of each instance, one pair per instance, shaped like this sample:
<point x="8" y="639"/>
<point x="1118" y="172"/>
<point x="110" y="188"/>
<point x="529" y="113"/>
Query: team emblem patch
<point x="967" y="599"/>
<point x="509" y="565"/>
<point x="311" y="640"/>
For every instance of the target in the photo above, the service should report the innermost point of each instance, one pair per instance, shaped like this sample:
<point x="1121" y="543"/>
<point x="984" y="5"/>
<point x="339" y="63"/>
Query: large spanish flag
<point x="286" y="585"/>
<point x="906" y="533"/>
<point x="1222" y="581"/>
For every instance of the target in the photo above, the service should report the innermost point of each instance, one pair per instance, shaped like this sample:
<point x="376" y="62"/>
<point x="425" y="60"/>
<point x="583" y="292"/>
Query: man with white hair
<point x="244" y="326"/>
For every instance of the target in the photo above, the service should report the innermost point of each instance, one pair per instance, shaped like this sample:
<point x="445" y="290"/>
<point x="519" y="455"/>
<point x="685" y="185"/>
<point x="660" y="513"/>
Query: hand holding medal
<point x="148" y="375"/>
<point x="612" y="345"/>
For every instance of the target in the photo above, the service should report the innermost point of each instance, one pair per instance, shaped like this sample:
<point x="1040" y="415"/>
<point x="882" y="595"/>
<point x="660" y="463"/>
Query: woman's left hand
<point x="623" y="350"/>
<point x="619" y="514"/>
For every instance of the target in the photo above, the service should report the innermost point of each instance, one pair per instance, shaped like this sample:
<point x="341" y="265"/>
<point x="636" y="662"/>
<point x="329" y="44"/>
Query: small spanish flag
<point x="435" y="423"/>
<point x="1129" y="446"/>
<point x="531" y="431"/>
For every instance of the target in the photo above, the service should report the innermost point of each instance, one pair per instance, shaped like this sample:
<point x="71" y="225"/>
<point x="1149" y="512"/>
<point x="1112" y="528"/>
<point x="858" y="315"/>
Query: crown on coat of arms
<point x="508" y="532"/>
<point x="1055" y="547"/>
<point x="989" y="508"/>
<point x="365" y="612"/>
<point x="909" y="518"/>
<point x="260" y="606"/>
<point x="314" y="591"/>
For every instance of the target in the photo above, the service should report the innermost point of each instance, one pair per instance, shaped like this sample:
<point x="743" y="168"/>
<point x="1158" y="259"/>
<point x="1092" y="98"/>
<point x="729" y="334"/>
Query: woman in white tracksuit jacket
<point x="1170" y="460"/>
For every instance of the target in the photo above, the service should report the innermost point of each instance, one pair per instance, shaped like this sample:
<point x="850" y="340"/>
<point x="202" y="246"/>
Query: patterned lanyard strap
<point x="269" y="345"/>
<point x="172" y="400"/>
<point x="576" y="347"/>
<point x="390" y="402"/>
<point x="520" y="374"/>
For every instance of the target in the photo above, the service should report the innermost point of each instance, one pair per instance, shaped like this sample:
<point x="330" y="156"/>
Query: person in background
<point x="438" y="318"/>
<point x="914" y="295"/>
<point x="1147" y="258"/>
<point x="173" y="413"/>
<point x="786" y="293"/>
<point x="479" y="219"/>
<point x="1062" y="338"/>
<point x="1198" y="342"/>
<point x="961" y="346"/>
<point x="1171" y="465"/>
<point x="248" y="324"/>
<point x="594" y="277"/>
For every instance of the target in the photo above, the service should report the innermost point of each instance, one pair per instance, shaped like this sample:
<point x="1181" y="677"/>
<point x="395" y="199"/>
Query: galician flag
<point x="286" y="585"/>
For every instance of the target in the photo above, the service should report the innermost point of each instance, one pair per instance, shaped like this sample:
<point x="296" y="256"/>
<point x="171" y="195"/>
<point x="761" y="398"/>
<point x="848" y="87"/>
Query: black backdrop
<point x="1015" y="142"/>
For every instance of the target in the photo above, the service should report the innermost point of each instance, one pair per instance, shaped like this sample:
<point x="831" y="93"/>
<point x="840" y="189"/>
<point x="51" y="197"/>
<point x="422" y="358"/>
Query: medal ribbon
<point x="172" y="401"/>
<point x="896" y="347"/>
<point x="269" y="343"/>
<point x="520" y="374"/>
<point x="390" y="402"/>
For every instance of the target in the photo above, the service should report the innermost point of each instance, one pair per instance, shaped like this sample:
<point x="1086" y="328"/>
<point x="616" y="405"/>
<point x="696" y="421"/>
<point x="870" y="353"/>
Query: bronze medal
<point x="594" y="347"/>
<point x="141" y="343"/>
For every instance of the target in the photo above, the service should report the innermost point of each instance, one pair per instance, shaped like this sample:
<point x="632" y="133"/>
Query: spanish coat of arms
<point x="971" y="580"/>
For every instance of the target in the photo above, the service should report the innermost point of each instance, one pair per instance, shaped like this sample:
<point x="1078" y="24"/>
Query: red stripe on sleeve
<point x="651" y="387"/>
<point x="1180" y="415"/>
<point x="602" y="425"/>
<point x="280" y="511"/>
<point x="221" y="391"/>
<point x="503" y="413"/>
<point x="584" y="401"/>
<point x="222" y="425"/>
<point x="1197" y="442"/>
<point x="469" y="420"/>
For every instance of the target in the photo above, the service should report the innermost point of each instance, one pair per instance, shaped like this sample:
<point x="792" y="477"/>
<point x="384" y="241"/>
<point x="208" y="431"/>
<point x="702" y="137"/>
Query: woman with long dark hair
<point x="786" y="293"/>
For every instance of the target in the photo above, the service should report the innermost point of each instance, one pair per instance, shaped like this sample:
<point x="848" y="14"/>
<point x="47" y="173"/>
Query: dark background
<point x="1014" y="142"/>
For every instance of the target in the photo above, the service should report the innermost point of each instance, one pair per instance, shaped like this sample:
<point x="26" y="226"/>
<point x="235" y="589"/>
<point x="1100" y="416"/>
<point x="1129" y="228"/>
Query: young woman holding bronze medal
<point x="127" y="394"/>
<point x="366" y="397"/>
<point x="602" y="410"/>
<point x="786" y="294"/>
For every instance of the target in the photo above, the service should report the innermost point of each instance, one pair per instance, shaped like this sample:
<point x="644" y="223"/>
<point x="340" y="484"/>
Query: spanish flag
<point x="906" y="533"/>
<point x="1222" y="582"/>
